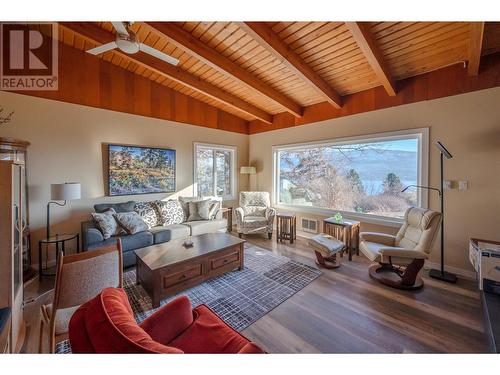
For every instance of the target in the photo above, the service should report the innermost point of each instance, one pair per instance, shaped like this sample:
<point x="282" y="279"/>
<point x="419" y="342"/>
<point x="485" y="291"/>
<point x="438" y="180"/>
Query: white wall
<point x="67" y="145"/>
<point x="469" y="126"/>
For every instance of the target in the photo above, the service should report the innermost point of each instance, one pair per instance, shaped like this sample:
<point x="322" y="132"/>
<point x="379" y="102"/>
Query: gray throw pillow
<point x="131" y="222"/>
<point x="106" y="223"/>
<point x="199" y="210"/>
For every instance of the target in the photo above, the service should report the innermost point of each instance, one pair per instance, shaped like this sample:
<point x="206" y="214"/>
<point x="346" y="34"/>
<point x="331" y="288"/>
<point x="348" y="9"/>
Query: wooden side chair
<point x="79" y="278"/>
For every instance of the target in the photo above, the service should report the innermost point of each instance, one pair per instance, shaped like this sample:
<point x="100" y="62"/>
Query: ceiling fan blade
<point x="120" y="28"/>
<point x="101" y="49"/>
<point x="158" y="54"/>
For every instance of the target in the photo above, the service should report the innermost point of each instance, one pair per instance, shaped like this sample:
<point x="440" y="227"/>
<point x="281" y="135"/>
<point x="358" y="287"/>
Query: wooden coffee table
<point x="166" y="269"/>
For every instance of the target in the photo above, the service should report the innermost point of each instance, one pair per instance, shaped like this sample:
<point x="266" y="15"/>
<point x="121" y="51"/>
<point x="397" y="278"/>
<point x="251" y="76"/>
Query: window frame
<point x="422" y="134"/>
<point x="233" y="152"/>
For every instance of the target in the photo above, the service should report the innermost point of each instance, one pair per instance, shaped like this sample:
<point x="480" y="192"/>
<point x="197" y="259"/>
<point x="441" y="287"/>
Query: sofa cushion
<point x="106" y="223"/>
<point x="110" y="327"/>
<point x="118" y="207"/>
<point x="206" y="226"/>
<point x="170" y="212"/>
<point x="169" y="232"/>
<point x="148" y="212"/>
<point x="129" y="241"/>
<point x="208" y="334"/>
<point x="131" y="222"/>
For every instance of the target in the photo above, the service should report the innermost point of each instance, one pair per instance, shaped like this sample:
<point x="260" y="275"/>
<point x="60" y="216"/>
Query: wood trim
<point x="87" y="80"/>
<point x="271" y="41"/>
<point x="195" y="47"/>
<point x="475" y="47"/>
<point x="98" y="35"/>
<point x="449" y="81"/>
<point x="8" y="143"/>
<point x="365" y="41"/>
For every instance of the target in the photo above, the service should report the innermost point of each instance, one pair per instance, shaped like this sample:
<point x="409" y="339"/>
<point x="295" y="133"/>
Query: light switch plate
<point x="463" y="185"/>
<point x="447" y="184"/>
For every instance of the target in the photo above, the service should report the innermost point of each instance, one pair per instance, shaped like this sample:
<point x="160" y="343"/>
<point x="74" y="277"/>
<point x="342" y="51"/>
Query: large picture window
<point x="214" y="170"/>
<point x="362" y="176"/>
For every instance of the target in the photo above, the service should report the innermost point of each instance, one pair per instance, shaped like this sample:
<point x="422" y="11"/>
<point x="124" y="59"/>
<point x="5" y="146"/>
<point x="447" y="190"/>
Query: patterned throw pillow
<point x="170" y="212"/>
<point x="106" y="223"/>
<point x="199" y="210"/>
<point x="148" y="213"/>
<point x="131" y="222"/>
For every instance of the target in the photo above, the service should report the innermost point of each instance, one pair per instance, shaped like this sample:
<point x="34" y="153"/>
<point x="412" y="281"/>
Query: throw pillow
<point x="215" y="204"/>
<point x="131" y="222"/>
<point x="185" y="203"/>
<point x="170" y="212"/>
<point x="199" y="210"/>
<point x="106" y="223"/>
<point x="147" y="211"/>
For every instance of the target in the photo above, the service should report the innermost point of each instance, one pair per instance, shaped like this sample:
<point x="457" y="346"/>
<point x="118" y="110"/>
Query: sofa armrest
<point x="381" y="238"/>
<point x="403" y="253"/>
<point x="251" y="348"/>
<point x="90" y="234"/>
<point x="169" y="321"/>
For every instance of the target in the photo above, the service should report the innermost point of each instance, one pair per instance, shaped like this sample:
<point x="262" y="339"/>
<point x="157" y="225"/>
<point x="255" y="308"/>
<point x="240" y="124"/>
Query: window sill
<point x="364" y="218"/>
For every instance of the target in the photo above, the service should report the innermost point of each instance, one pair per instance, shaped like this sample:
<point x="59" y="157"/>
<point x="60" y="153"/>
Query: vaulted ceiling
<point x="256" y="70"/>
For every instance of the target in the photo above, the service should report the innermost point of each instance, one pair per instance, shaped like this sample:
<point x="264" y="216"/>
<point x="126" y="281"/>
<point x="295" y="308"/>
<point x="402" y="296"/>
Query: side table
<point x="344" y="230"/>
<point x="57" y="239"/>
<point x="286" y="227"/>
<point x="229" y="214"/>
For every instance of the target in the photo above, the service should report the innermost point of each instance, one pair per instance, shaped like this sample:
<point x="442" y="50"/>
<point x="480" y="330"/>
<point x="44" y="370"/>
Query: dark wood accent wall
<point x="452" y="80"/>
<point x="87" y="80"/>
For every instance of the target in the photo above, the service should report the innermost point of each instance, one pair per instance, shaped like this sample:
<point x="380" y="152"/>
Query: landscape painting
<point x="140" y="170"/>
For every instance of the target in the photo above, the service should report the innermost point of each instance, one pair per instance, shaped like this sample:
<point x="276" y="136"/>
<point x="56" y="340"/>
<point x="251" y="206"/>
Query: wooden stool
<point x="326" y="249"/>
<point x="286" y="227"/>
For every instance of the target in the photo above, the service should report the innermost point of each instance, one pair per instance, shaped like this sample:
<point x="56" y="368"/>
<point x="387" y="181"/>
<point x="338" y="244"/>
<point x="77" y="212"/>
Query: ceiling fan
<point x="127" y="42"/>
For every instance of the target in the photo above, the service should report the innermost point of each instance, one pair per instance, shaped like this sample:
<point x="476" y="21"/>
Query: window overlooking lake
<point x="214" y="170"/>
<point x="364" y="176"/>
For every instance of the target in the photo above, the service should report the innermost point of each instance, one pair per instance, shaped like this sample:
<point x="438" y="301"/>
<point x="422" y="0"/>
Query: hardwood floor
<point x="344" y="311"/>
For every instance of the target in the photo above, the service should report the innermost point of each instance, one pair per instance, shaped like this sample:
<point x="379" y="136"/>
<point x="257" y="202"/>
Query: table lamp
<point x="67" y="191"/>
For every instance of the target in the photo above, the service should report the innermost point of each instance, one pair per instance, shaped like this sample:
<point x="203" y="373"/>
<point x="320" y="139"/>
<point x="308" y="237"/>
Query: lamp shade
<point x="65" y="192"/>
<point x="247" y="170"/>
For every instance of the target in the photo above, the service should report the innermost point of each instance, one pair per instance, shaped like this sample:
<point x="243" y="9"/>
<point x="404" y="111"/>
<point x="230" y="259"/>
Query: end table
<point x="57" y="239"/>
<point x="286" y="227"/>
<point x="229" y="214"/>
<point x="344" y="230"/>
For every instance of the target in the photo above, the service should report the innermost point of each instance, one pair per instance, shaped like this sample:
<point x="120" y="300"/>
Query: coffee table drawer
<point x="224" y="260"/>
<point x="182" y="276"/>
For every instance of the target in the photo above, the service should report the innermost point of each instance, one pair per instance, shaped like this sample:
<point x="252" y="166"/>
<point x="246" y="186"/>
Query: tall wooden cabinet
<point x="12" y="223"/>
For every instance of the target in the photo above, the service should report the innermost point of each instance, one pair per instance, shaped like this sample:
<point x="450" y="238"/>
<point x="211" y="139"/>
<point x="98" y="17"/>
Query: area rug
<point x="239" y="297"/>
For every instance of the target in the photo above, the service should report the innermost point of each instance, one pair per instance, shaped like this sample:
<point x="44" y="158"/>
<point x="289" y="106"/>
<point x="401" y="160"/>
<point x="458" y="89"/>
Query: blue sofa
<point x="92" y="237"/>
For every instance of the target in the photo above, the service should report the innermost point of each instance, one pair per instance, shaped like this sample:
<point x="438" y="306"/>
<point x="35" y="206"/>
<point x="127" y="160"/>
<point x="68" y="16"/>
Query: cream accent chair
<point x="79" y="278"/>
<point x="401" y="257"/>
<point x="255" y="214"/>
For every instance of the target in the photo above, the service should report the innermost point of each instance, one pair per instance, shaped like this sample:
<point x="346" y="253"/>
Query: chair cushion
<point x="111" y="328"/>
<point x="209" y="334"/>
<point x="371" y="250"/>
<point x="326" y="244"/>
<point x="254" y="203"/>
<point x="206" y="226"/>
<point x="63" y="317"/>
<point x="169" y="232"/>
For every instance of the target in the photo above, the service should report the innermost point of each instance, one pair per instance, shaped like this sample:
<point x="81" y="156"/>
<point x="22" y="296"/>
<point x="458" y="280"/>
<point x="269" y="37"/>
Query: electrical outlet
<point x="463" y="185"/>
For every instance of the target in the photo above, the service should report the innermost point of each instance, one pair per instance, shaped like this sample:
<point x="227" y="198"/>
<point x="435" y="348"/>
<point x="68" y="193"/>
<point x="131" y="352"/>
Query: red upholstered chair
<point x="106" y="324"/>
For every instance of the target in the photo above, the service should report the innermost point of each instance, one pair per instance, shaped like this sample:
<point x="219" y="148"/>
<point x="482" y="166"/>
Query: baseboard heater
<point x="309" y="225"/>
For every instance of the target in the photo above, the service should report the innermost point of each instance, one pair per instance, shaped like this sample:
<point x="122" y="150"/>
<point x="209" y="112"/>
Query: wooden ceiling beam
<point x="98" y="35"/>
<point x="196" y="48"/>
<point x="366" y="42"/>
<point x="272" y="42"/>
<point x="475" y="47"/>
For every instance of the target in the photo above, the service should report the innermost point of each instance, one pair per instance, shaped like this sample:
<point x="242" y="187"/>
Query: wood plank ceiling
<point x="258" y="70"/>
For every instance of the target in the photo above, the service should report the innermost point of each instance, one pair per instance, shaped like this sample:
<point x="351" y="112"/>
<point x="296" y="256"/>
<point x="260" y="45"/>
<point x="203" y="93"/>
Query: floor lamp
<point x="440" y="274"/>
<point x="62" y="192"/>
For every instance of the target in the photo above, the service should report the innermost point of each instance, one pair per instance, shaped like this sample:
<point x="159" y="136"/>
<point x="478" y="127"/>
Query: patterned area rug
<point x="239" y="297"/>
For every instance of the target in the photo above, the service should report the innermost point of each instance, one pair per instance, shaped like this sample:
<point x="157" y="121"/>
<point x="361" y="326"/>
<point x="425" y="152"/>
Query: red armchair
<point x="106" y="324"/>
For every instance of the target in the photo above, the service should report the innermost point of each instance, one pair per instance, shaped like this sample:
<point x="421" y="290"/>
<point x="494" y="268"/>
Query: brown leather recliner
<point x="400" y="258"/>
